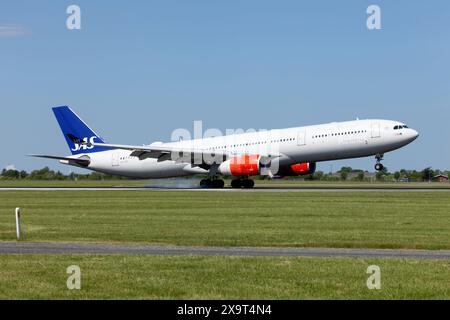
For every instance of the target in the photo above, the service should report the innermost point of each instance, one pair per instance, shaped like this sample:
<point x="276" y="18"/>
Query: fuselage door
<point x="301" y="137"/>
<point x="115" y="159"/>
<point x="376" y="133"/>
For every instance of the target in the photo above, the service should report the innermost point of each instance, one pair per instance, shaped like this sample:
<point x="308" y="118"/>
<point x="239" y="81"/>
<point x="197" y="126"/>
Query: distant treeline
<point x="47" y="174"/>
<point x="345" y="174"/>
<point x="350" y="174"/>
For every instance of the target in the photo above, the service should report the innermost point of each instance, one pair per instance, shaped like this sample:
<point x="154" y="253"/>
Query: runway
<point x="256" y="189"/>
<point x="74" y="248"/>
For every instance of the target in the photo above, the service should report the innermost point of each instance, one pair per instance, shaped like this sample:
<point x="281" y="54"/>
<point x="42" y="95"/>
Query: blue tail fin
<point x="75" y="131"/>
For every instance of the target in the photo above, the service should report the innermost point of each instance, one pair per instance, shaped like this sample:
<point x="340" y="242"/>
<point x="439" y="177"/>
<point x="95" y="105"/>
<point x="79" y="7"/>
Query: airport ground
<point x="200" y="277"/>
<point x="329" y="219"/>
<point x="187" y="183"/>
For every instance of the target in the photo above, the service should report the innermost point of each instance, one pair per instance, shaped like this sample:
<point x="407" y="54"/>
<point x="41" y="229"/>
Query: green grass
<point x="323" y="219"/>
<point x="194" y="277"/>
<point x="419" y="220"/>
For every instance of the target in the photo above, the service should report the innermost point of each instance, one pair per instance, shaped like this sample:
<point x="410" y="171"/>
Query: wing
<point x="165" y="152"/>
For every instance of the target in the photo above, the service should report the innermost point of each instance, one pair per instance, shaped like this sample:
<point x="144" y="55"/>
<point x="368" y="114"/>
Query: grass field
<point x="285" y="219"/>
<point x="333" y="219"/>
<point x="183" y="277"/>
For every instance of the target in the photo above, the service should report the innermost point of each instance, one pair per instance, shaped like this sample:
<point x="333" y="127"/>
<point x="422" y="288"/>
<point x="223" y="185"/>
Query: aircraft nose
<point x="412" y="135"/>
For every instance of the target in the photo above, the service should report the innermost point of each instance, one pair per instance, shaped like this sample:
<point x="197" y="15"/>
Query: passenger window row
<point x="338" y="134"/>
<point x="251" y="144"/>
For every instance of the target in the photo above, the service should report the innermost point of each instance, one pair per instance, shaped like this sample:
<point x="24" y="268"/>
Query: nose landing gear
<point x="379" y="166"/>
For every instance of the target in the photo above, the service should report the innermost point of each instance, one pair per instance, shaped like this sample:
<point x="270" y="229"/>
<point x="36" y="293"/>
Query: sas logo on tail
<point x="87" y="144"/>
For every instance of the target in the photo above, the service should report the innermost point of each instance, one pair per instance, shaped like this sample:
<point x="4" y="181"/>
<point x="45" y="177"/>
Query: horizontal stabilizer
<point x="83" y="161"/>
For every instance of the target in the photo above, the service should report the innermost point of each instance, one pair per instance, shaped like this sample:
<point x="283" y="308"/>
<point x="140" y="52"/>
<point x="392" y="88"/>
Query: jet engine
<point x="298" y="169"/>
<point x="245" y="165"/>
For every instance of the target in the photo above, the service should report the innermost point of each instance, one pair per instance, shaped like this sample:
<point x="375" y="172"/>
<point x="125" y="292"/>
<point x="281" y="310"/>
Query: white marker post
<point x="18" y="229"/>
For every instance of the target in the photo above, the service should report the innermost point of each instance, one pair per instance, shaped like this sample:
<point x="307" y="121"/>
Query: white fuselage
<point x="333" y="141"/>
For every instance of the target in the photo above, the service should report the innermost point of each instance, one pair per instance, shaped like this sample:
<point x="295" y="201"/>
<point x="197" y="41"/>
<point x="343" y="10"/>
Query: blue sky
<point x="140" y="69"/>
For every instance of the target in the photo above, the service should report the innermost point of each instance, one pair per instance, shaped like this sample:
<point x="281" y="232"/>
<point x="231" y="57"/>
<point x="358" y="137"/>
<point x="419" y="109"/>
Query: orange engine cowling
<point x="245" y="165"/>
<point x="298" y="169"/>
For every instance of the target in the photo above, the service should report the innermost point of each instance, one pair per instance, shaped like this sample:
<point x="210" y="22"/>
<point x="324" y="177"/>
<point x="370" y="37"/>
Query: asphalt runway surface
<point x="74" y="248"/>
<point x="256" y="189"/>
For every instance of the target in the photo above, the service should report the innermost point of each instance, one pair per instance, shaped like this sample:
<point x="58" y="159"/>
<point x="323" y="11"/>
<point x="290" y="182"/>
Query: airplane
<point x="275" y="153"/>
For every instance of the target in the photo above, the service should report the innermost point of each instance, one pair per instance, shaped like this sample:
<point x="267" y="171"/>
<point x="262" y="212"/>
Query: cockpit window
<point x="400" y="127"/>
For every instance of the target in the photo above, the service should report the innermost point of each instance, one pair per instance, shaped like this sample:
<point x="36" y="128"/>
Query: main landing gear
<point x="243" y="183"/>
<point x="379" y="166"/>
<point x="212" y="183"/>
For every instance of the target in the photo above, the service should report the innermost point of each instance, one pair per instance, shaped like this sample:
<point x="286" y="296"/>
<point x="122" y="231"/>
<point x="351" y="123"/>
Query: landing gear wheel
<point x="204" y="183"/>
<point x="215" y="183"/>
<point x="236" y="183"/>
<point x="379" y="166"/>
<point x="248" y="184"/>
<point x="218" y="184"/>
<point x="242" y="183"/>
